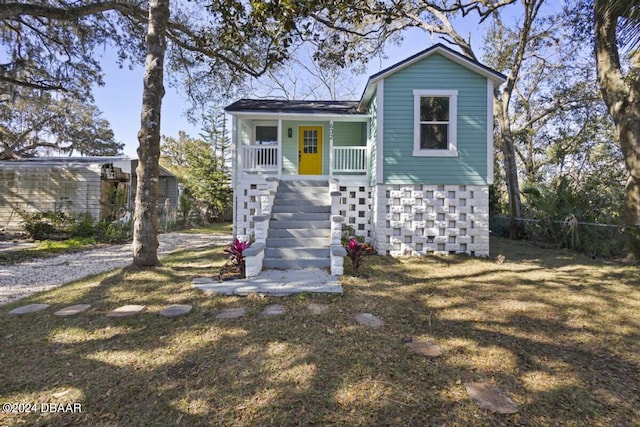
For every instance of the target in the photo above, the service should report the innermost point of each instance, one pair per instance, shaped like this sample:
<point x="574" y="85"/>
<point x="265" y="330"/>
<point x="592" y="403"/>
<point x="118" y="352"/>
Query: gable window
<point x="435" y="123"/>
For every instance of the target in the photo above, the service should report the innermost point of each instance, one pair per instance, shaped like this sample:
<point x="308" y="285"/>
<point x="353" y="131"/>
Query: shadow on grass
<point x="566" y="356"/>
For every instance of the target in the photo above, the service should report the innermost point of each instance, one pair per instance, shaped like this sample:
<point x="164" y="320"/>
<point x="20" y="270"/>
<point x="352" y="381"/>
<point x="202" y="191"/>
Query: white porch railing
<point x="349" y="159"/>
<point x="267" y="159"/>
<point x="260" y="158"/>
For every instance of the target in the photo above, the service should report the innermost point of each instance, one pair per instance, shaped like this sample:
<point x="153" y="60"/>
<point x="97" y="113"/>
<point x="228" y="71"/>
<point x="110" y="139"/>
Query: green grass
<point x="214" y="228"/>
<point x="64" y="245"/>
<point x="47" y="248"/>
<point x="556" y="331"/>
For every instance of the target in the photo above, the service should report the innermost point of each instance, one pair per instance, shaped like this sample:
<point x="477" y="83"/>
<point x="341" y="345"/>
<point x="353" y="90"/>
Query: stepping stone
<point x="217" y="288"/>
<point x="231" y="313"/>
<point x="26" y="309"/>
<point x="425" y="348"/>
<point x="203" y="281"/>
<point x="369" y="319"/>
<point x="491" y="398"/>
<point x="72" y="310"/>
<point x="317" y="308"/>
<point x="273" y="310"/>
<point x="126" y="311"/>
<point x="176" y="310"/>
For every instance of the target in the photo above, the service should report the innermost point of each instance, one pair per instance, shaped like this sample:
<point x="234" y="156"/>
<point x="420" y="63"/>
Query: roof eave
<point x="276" y="114"/>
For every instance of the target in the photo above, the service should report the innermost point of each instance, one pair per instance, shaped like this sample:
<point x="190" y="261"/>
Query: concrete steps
<point x="294" y="208"/>
<point x="294" y="242"/>
<point x="299" y="229"/>
<point x="299" y="216"/>
<point x="305" y="233"/>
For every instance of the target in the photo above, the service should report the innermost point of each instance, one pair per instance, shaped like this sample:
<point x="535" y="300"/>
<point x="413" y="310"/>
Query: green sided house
<point x="407" y="167"/>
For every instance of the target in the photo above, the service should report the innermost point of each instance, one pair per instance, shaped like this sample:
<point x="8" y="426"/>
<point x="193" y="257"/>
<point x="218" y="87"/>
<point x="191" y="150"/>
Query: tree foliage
<point x="48" y="62"/>
<point x="200" y="167"/>
<point x="40" y="122"/>
<point x="52" y="44"/>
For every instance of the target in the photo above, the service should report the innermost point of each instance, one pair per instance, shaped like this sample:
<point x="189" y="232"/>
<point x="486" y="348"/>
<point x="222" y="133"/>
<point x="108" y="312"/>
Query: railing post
<point x="260" y="228"/>
<point x="333" y="184"/>
<point x="267" y="194"/>
<point x="272" y="184"/>
<point x="332" y="159"/>
<point x="338" y="252"/>
<point x="335" y="201"/>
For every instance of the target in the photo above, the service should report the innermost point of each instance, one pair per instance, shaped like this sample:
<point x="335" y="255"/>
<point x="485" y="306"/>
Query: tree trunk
<point x="516" y="228"/>
<point x="145" y="220"/>
<point x="621" y="95"/>
<point x="507" y="145"/>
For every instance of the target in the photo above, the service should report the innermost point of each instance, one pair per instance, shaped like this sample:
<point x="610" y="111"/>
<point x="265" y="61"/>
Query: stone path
<point x="231" y="313"/>
<point x="30" y="308"/>
<point x="425" y="348"/>
<point x="491" y="398"/>
<point x="126" y="311"/>
<point x="273" y="310"/>
<point x="72" y="310"/>
<point x="176" y="310"/>
<point x="274" y="283"/>
<point x="369" y="319"/>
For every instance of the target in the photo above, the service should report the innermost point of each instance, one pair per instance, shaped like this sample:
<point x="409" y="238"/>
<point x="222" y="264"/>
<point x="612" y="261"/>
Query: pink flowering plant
<point x="356" y="251"/>
<point x="235" y="251"/>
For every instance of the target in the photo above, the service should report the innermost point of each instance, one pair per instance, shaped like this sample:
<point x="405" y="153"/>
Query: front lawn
<point x="556" y="331"/>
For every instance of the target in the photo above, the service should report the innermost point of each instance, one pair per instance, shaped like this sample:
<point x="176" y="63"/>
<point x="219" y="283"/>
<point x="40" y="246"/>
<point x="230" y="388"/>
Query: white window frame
<point x="452" y="143"/>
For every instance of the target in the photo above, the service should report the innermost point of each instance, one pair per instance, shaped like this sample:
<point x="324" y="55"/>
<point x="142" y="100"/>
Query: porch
<point x="290" y="139"/>
<point x="347" y="160"/>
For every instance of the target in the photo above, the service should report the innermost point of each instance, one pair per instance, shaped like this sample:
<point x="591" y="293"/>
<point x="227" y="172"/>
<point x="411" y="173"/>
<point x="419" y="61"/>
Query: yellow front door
<point x="310" y="150"/>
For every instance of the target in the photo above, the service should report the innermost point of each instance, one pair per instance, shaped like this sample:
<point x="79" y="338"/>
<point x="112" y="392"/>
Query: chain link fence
<point x="596" y="240"/>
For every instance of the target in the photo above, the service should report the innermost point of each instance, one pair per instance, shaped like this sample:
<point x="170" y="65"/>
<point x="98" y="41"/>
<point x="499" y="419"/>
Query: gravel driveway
<point x="21" y="280"/>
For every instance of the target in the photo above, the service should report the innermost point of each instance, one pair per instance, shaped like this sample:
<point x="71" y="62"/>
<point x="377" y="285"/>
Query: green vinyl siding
<point x="435" y="73"/>
<point x="349" y="134"/>
<point x="289" y="148"/>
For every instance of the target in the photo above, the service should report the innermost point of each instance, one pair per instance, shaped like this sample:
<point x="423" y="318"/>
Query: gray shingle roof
<point x="293" y="107"/>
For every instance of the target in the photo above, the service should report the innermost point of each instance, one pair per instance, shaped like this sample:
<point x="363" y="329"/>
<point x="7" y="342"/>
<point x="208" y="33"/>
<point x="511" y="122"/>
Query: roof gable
<point x="457" y="57"/>
<point x="346" y="108"/>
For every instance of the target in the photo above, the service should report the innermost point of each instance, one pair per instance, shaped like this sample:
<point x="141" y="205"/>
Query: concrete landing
<point x="275" y="283"/>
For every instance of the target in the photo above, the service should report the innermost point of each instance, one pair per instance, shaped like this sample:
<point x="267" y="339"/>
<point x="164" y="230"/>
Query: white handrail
<point x="259" y="158"/>
<point x="349" y="159"/>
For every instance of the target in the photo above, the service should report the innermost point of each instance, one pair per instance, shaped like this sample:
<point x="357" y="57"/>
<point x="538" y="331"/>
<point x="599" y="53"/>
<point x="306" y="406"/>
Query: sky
<point x="120" y="99"/>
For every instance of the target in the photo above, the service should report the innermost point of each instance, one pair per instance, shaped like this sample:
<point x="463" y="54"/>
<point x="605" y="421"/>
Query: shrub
<point x="112" y="232"/>
<point x="43" y="225"/>
<point x="83" y="227"/>
<point x="47" y="225"/>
